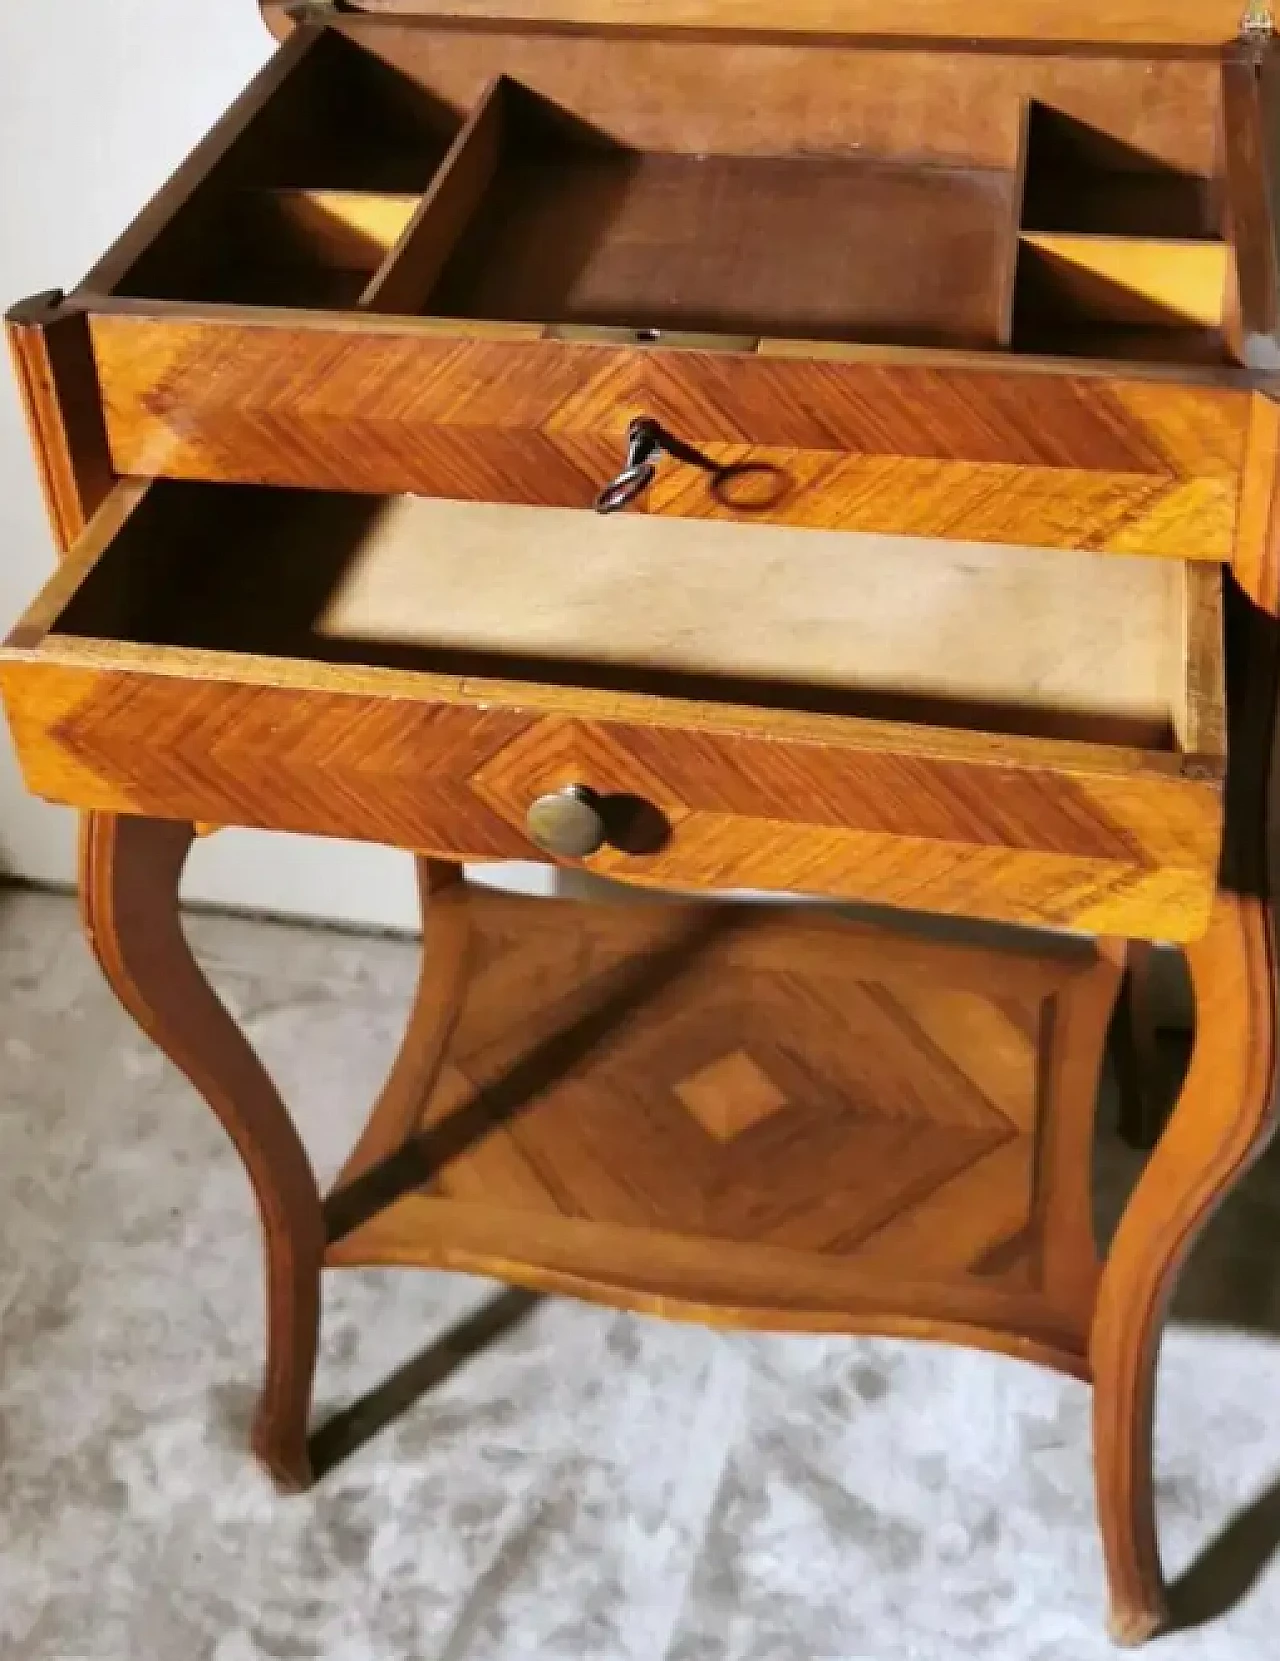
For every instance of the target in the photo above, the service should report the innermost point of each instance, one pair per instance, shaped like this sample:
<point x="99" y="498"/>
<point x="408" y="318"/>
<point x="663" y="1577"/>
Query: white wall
<point x="99" y="99"/>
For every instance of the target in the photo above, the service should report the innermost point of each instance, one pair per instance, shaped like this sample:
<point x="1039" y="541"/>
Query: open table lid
<point x="1131" y="22"/>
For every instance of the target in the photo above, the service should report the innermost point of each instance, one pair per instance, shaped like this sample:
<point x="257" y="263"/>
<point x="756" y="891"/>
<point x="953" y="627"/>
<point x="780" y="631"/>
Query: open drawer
<point x="1015" y="734"/>
<point x="987" y="293"/>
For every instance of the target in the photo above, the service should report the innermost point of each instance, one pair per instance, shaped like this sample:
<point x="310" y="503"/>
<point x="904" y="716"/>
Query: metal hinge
<point x="1258" y="22"/>
<point x="317" y="11"/>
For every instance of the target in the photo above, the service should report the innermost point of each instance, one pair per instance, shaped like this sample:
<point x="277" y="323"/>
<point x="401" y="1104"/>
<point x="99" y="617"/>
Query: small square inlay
<point x="730" y="1095"/>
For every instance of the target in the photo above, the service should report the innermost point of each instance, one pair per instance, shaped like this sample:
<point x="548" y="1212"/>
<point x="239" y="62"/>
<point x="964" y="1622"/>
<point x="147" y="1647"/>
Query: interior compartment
<point x="289" y="248"/>
<point x="318" y="179"/>
<point x="1120" y="254"/>
<point x="1104" y="648"/>
<point x="570" y="226"/>
<point x="675" y="183"/>
<point x="1083" y="179"/>
<point x="1124" y="297"/>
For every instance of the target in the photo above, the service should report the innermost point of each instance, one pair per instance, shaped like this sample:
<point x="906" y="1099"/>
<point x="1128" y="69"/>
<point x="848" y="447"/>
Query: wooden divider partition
<point x="840" y="193"/>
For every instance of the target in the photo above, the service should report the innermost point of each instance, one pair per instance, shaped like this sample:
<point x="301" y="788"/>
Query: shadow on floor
<point x="1231" y="1565"/>
<point x="1233" y="1281"/>
<point x="346" y="1432"/>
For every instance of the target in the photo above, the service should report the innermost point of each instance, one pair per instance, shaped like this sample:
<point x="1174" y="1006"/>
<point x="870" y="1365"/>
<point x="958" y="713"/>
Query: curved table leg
<point x="130" y="870"/>
<point x="1218" y="1127"/>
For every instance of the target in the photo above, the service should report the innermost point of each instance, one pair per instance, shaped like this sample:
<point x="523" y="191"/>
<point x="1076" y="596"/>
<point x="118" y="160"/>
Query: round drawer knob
<point x="567" y="822"/>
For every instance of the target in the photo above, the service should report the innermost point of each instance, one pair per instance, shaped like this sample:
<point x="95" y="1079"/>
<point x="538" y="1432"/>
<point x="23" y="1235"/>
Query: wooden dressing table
<point x="945" y="581"/>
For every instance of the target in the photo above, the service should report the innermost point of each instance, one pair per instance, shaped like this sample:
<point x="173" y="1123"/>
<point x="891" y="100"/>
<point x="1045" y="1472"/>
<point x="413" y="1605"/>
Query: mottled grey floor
<point x="582" y="1484"/>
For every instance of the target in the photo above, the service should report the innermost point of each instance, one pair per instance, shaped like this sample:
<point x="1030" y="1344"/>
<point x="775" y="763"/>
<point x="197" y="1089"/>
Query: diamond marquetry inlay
<point x="626" y="1065"/>
<point x="758" y="1109"/>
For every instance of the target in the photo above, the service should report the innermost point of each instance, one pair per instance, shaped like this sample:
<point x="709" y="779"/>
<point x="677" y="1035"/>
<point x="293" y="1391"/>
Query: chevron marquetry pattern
<point x="987" y="834"/>
<point x="973" y="453"/>
<point x="761" y="1083"/>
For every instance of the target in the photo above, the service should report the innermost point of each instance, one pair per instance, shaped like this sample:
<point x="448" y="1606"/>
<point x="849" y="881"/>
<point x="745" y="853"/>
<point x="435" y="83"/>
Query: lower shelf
<point x="753" y="1114"/>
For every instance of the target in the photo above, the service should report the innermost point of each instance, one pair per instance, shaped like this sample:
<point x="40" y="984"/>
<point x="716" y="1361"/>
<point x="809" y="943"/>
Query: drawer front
<point x="494" y="413"/>
<point x="987" y="834"/>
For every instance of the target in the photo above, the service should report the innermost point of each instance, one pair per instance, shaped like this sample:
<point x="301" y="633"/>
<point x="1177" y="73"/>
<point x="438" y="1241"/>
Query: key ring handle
<point x="648" y="440"/>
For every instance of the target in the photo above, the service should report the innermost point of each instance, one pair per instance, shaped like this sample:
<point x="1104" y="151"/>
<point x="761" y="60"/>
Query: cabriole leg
<point x="130" y="869"/>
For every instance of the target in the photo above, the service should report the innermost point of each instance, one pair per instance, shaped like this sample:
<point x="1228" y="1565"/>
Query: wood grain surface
<point x="692" y="92"/>
<point x="58" y="386"/>
<point x="579" y="232"/>
<point x="1036" y="641"/>
<point x="1257" y="561"/>
<point x="406" y="276"/>
<point x="109" y="712"/>
<point x="298" y="248"/>
<point x="1135" y="280"/>
<point x="1107" y="649"/>
<point x="1250" y="114"/>
<point x="348" y="229"/>
<point x="986" y="455"/>
<point x="1209" y="22"/>
<point x="828" y="1124"/>
<point x="1262" y="244"/>
<point x="824" y="1126"/>
<point x="1023" y="833"/>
